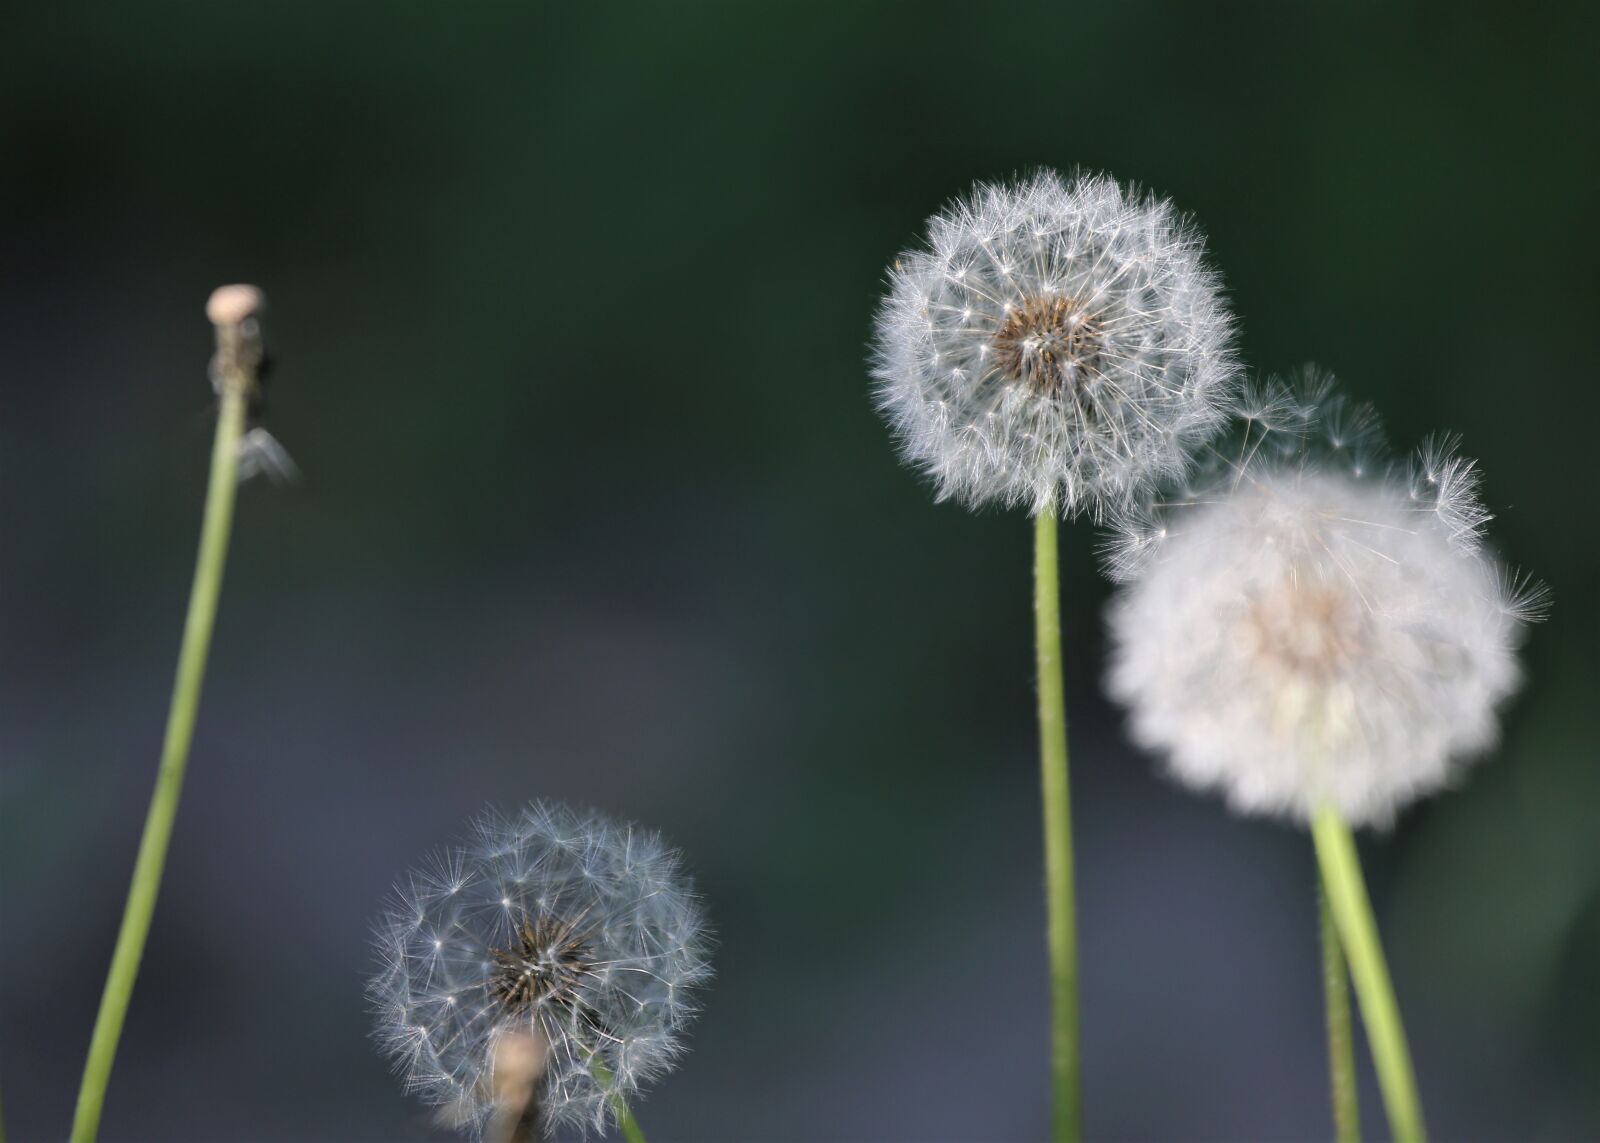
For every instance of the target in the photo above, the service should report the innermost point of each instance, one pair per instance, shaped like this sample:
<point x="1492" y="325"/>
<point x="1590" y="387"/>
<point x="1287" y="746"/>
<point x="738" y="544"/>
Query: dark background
<point x="570" y="306"/>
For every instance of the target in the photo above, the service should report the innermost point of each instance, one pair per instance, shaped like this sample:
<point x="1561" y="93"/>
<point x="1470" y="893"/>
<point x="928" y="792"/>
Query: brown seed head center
<point x="546" y="965"/>
<point x="1051" y="344"/>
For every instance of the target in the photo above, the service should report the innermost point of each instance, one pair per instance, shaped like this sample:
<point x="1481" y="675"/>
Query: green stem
<point x="237" y="378"/>
<point x="1341" y="1042"/>
<point x="1061" y="922"/>
<point x="631" y="1131"/>
<point x="1352" y="915"/>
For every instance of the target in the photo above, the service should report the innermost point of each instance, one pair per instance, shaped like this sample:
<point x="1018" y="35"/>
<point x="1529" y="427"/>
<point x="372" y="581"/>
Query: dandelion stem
<point x="236" y="377"/>
<point x="1060" y="909"/>
<point x="1352" y="915"/>
<point x="1341" y="1042"/>
<point x="631" y="1131"/>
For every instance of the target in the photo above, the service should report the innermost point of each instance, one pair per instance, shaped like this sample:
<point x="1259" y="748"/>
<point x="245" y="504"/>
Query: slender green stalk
<point x="631" y="1131"/>
<point x="1061" y="912"/>
<point x="1352" y="915"/>
<point x="235" y="372"/>
<point x="1341" y="1041"/>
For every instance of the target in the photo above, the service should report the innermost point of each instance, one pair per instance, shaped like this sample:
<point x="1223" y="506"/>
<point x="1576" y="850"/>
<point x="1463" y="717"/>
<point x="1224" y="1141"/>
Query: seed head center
<point x="1051" y="344"/>
<point x="546" y="965"/>
<point x="1311" y="631"/>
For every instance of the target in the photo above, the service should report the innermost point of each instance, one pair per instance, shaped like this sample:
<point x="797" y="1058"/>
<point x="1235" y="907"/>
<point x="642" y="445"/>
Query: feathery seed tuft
<point x="1302" y="625"/>
<point x="1055" y="340"/>
<point x="555" y="932"/>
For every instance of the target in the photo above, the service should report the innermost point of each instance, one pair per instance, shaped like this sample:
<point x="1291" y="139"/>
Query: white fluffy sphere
<point x="1055" y="341"/>
<point x="567" y="937"/>
<point x="1297" y="636"/>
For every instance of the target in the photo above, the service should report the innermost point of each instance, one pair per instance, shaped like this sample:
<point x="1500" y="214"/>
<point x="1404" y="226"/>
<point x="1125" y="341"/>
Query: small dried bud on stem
<point x="231" y="305"/>
<point x="235" y="312"/>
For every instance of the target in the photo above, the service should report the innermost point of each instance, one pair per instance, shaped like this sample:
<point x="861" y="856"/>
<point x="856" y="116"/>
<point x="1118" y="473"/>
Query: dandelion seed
<point x="1056" y="340"/>
<point x="553" y="930"/>
<point x="1306" y="627"/>
<point x="260" y="454"/>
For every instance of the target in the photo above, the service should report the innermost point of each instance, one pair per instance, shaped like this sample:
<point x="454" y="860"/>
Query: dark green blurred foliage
<point x="570" y="307"/>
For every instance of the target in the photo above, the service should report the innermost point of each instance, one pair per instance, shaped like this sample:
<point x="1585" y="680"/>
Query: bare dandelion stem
<point x="235" y="376"/>
<point x="1358" y="933"/>
<point x="1341" y="1041"/>
<point x="1061" y="912"/>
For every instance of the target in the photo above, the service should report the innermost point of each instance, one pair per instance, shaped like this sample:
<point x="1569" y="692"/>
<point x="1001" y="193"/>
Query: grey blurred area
<point x="569" y="308"/>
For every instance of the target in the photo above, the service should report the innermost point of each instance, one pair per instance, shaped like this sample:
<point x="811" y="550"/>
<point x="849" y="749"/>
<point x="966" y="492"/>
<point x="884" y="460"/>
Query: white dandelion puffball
<point x="557" y="939"/>
<point x="1057" y="341"/>
<point x="1299" y="630"/>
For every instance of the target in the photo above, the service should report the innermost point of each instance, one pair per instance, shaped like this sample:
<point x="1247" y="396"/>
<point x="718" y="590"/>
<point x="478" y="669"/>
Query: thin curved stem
<point x="1352" y="915"/>
<point x="236" y="379"/>
<point x="1060" y="908"/>
<point x="1341" y="1041"/>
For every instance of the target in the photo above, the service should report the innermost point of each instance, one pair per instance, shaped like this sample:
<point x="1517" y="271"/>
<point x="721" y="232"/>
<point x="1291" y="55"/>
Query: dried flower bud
<point x="231" y="305"/>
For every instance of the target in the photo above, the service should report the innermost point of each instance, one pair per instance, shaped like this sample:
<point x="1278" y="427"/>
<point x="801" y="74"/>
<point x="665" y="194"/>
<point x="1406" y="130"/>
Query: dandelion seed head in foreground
<point x="1304" y="626"/>
<point x="553" y="927"/>
<point x="1056" y="340"/>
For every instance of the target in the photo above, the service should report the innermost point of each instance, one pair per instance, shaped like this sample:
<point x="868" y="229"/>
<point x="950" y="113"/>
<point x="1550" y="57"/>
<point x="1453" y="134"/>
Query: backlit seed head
<point x="553" y="932"/>
<point x="1055" y="341"/>
<point x="1302" y="625"/>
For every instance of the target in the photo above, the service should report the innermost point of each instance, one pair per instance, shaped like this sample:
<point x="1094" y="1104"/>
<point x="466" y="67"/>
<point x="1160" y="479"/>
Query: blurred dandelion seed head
<point x="1303" y="624"/>
<point x="558" y="928"/>
<point x="1055" y="338"/>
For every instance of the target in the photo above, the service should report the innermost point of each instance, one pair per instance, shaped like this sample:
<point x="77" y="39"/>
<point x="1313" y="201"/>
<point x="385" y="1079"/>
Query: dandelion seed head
<point x="557" y="928"/>
<point x="1306" y="624"/>
<point x="1055" y="339"/>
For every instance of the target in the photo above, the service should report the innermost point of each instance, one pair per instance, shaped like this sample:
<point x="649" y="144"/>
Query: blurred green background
<point x="570" y="306"/>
